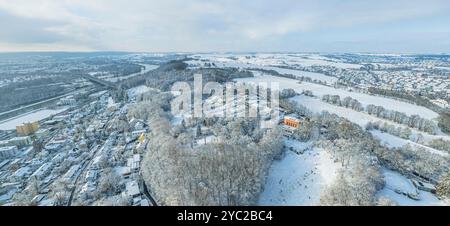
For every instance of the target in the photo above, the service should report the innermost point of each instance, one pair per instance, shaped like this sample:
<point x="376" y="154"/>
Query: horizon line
<point x="221" y="52"/>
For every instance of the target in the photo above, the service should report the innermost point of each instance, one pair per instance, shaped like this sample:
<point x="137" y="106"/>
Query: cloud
<point x="199" y="25"/>
<point x="17" y="29"/>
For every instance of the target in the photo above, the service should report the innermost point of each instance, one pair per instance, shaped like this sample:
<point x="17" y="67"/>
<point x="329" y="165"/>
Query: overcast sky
<point x="226" y="25"/>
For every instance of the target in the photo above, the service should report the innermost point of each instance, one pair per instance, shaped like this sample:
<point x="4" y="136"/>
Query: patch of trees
<point x="347" y="102"/>
<point x="306" y="131"/>
<point x="443" y="187"/>
<point x="354" y="188"/>
<point x="358" y="151"/>
<point x="290" y="106"/>
<point x="406" y="133"/>
<point x="230" y="171"/>
<point x="415" y="160"/>
<point x="177" y="65"/>
<point x="287" y="93"/>
<point x="413" y="121"/>
<point x="444" y="121"/>
<point x="440" y="144"/>
<point x="109" y="183"/>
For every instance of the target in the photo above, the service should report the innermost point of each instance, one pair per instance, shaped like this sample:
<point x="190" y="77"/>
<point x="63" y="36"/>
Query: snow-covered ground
<point x="29" y="117"/>
<point x="299" y="179"/>
<point x="365" y="99"/>
<point x="397" y="182"/>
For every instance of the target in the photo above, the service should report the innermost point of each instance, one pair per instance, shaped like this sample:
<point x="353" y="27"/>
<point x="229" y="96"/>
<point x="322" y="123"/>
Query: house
<point x="134" y="163"/>
<point x="290" y="124"/>
<point x="135" y="134"/>
<point x="141" y="138"/>
<point x="22" y="172"/>
<point x="69" y="100"/>
<point x="42" y="171"/>
<point x="58" y="158"/>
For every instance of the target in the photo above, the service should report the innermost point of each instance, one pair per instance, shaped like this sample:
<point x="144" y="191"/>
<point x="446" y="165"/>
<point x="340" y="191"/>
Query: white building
<point x="8" y="152"/>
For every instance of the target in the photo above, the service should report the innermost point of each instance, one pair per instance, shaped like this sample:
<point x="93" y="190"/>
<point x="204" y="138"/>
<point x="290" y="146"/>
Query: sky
<point x="382" y="26"/>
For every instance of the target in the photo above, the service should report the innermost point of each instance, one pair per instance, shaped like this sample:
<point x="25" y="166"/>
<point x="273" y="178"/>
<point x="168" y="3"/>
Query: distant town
<point x="99" y="129"/>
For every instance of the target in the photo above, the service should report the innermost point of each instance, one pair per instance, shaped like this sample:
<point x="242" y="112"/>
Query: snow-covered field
<point x="397" y="182"/>
<point x="304" y="60"/>
<point x="315" y="76"/>
<point x="394" y="141"/>
<point x="299" y="179"/>
<point x="29" y="117"/>
<point x="365" y="99"/>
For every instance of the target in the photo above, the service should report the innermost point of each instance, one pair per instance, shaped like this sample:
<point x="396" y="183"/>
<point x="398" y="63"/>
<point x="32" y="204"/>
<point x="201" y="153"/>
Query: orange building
<point x="292" y="122"/>
<point x="27" y="128"/>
